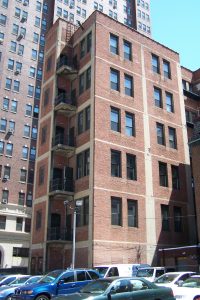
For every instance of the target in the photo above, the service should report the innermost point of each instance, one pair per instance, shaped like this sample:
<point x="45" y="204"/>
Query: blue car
<point x="55" y="283"/>
<point x="7" y="291"/>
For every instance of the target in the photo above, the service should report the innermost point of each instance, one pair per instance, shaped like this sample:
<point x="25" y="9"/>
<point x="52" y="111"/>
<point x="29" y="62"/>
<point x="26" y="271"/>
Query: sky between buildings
<point x="176" y="24"/>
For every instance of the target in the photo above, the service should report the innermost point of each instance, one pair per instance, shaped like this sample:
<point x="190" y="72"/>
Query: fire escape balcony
<point x="64" y="145"/>
<point x="58" y="234"/>
<point x="61" y="187"/>
<point x="66" y="66"/>
<point x="65" y="102"/>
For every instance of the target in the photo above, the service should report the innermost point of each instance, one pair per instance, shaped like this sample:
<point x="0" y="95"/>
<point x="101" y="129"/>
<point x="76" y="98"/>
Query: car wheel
<point x="9" y="297"/>
<point x="42" y="297"/>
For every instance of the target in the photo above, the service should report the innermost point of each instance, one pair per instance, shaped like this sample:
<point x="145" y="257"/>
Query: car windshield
<point x="166" y="278"/>
<point x="50" y="277"/>
<point x="102" y="270"/>
<point x="192" y="282"/>
<point x="20" y="280"/>
<point x="96" y="287"/>
<point x="145" y="272"/>
<point x="33" y="279"/>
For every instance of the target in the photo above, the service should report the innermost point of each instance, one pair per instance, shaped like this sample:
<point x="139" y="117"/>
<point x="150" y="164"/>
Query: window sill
<point x="23" y="182"/>
<point x="24" y="159"/>
<point x="26" y="137"/>
<point x="10" y="156"/>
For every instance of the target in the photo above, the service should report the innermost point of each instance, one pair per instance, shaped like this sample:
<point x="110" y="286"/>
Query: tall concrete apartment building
<point x="23" y="25"/>
<point x="112" y="133"/>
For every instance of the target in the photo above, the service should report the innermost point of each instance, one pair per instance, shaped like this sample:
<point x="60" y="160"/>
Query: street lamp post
<point x="75" y="205"/>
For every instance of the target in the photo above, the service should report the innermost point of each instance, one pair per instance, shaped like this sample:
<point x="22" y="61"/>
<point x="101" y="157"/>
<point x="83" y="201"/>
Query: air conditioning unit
<point x="71" y="5"/>
<point x="114" y="6"/>
<point x="1" y="41"/>
<point x="4" y="201"/>
<point x="23" y="19"/>
<point x="11" y="130"/>
<point x="20" y="36"/>
<point x="20" y="52"/>
<point x="5" y="177"/>
<point x="25" y="3"/>
<point x="17" y="72"/>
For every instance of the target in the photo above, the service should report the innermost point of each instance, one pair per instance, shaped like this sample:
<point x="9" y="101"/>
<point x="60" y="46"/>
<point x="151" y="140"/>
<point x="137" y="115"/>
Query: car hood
<point x="8" y="289"/>
<point x="77" y="296"/>
<point x="186" y="291"/>
<point x="33" y="286"/>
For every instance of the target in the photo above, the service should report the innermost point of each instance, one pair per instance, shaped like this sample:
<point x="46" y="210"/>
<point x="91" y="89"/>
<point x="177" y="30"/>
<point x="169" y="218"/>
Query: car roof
<point x="178" y="273"/>
<point x="152" y="268"/>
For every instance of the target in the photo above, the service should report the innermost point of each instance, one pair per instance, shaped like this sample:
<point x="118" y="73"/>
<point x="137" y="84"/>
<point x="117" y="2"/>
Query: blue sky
<point x="176" y="24"/>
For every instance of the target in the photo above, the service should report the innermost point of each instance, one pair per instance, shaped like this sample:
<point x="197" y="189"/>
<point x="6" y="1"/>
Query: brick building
<point x="112" y="132"/>
<point x="23" y="25"/>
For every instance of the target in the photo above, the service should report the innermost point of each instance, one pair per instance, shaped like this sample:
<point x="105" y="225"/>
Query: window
<point x="20" y="252"/>
<point x="8" y="83"/>
<point x="169" y="102"/>
<point x="165" y="217"/>
<point x="114" y="44"/>
<point x="42" y="40"/>
<point x="23" y="175"/>
<point x="2" y="222"/>
<point x="20" y="49"/>
<point x="89" y="41"/>
<point x="44" y="135"/>
<point x="41" y="175"/>
<point x="5" y="195"/>
<point x="13" y="46"/>
<point x="177" y="219"/>
<point x="1" y="147"/>
<point x="38" y="6"/>
<point x="15" y="29"/>
<point x="17" y="12"/>
<point x="83" y="48"/>
<point x="35" y="40"/>
<point x="5" y="103"/>
<point x="37" y="21"/>
<point x="163" y="174"/>
<point x="7" y="171"/>
<point x="19" y="224"/>
<point x="83" y="215"/>
<point x="10" y="64"/>
<point x="34" y="54"/>
<point x="9" y="149"/>
<point x="116" y="211"/>
<point x="4" y="3"/>
<point x="3" y="19"/>
<point x="25" y="152"/>
<point x="32" y="153"/>
<point x="80" y="122"/>
<point x="49" y="63"/>
<point x="127" y="51"/>
<point x="36" y="111"/>
<point x="130" y="124"/>
<point x="114" y="79"/>
<point x="29" y="199"/>
<point x="115" y="119"/>
<point x="175" y="177"/>
<point x="131" y="167"/>
<point x="87" y="118"/>
<point x="12" y="125"/>
<point x="16" y="85"/>
<point x="26" y="130"/>
<point x="32" y="72"/>
<point x="30" y="90"/>
<point x="37" y="92"/>
<point x="155" y="64"/>
<point x="18" y="67"/>
<point x="158" y="97"/>
<point x="3" y="124"/>
<point x="39" y="74"/>
<point x="172" y="138"/>
<point x="166" y="69"/>
<point x="81" y="83"/>
<point x="132" y="212"/>
<point x="160" y="134"/>
<point x="128" y="85"/>
<point x="38" y="219"/>
<point x="34" y="133"/>
<point x="88" y="78"/>
<point x="21" y="198"/>
<point x="46" y="97"/>
<point x="83" y="164"/>
<point x="115" y="163"/>
<point x="14" y="104"/>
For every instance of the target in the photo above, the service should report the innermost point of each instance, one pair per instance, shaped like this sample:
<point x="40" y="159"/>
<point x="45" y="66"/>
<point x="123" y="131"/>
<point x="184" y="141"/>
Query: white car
<point x="172" y="279"/>
<point x="189" y="289"/>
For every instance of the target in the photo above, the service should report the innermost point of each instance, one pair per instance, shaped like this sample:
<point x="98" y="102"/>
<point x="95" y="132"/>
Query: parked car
<point x="7" y="291"/>
<point x="120" y="288"/>
<point x="188" y="289"/>
<point x="118" y="269"/>
<point x="6" y="279"/>
<point x="173" y="279"/>
<point x="55" y="283"/>
<point x="151" y="273"/>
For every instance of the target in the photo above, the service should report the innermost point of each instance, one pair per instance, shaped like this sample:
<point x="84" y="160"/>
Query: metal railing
<point x="66" y="61"/>
<point x="65" y="140"/>
<point x="59" y="233"/>
<point x="65" y="98"/>
<point x="59" y="184"/>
